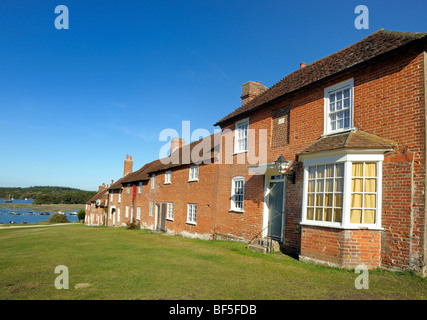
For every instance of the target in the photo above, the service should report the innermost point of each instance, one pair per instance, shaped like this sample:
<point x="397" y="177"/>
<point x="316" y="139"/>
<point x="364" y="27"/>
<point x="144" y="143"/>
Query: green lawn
<point x="135" y="264"/>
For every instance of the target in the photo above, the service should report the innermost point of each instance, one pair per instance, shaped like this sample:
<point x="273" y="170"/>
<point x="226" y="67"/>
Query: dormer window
<point x="339" y="107"/>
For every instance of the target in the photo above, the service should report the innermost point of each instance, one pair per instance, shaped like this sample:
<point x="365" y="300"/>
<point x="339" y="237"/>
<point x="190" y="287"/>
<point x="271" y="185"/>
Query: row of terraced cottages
<point x="350" y="130"/>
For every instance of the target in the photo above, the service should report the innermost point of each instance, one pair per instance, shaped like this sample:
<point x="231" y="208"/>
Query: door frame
<point x="267" y="180"/>
<point x="156" y="216"/>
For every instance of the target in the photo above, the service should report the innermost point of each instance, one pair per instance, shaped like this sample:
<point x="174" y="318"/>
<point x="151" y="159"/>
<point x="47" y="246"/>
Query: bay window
<point x="343" y="190"/>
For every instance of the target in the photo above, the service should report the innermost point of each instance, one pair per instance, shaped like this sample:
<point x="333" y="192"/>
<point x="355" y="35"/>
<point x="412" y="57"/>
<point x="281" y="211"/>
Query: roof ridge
<point x="374" y="45"/>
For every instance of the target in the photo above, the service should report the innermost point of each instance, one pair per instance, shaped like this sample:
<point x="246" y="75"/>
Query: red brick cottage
<point x="95" y="211"/>
<point x="175" y="194"/>
<point x="351" y="129"/>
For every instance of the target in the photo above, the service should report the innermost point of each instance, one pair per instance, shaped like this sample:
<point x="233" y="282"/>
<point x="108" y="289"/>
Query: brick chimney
<point x="102" y="187"/>
<point x="128" y="165"/>
<point x="302" y="65"/>
<point x="176" y="143"/>
<point x="251" y="90"/>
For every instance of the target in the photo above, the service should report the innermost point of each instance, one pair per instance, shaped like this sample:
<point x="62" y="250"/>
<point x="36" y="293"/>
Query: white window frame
<point x="169" y="211"/>
<point x="151" y="211"/>
<point x="111" y="196"/>
<point x="348" y="84"/>
<point x="347" y="157"/>
<point x="118" y="214"/>
<point x="138" y="213"/>
<point x="120" y="196"/>
<point x="191" y="213"/>
<point x="237" y="130"/>
<point x="128" y="188"/>
<point x="153" y="181"/>
<point x="193" y="173"/>
<point x="233" y="206"/>
<point x="140" y="187"/>
<point x="127" y="212"/>
<point x="168" y="177"/>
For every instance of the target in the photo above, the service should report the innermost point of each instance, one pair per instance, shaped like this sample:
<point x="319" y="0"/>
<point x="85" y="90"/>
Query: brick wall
<point x="389" y="102"/>
<point x="343" y="248"/>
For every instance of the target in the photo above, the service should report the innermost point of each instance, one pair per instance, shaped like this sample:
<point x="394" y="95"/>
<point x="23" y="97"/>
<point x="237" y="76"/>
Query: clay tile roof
<point x="355" y="139"/>
<point x="117" y="184"/>
<point x="180" y="157"/>
<point x="375" y="45"/>
<point x="97" y="196"/>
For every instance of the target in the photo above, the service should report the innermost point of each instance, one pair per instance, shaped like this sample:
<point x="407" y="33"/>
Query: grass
<point x="135" y="264"/>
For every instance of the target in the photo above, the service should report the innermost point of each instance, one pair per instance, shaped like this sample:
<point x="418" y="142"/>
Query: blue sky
<point x="74" y="102"/>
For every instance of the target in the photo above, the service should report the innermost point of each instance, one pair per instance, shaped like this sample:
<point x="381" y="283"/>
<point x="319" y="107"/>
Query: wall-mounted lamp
<point x="281" y="165"/>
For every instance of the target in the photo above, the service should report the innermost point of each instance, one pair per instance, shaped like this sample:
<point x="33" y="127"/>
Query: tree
<point x="81" y="214"/>
<point x="58" y="218"/>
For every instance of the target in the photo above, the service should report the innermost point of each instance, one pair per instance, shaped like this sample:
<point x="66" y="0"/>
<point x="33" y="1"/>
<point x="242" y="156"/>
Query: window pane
<point x="310" y="213"/>
<point x="312" y="172"/>
<point x="319" y="213"/>
<point x="338" y="200"/>
<point x="328" y="199"/>
<point x="346" y="93"/>
<point x="346" y="123"/>
<point x="339" y="170"/>
<point x="328" y="214"/>
<point x="329" y="185"/>
<point x="310" y="201"/>
<point x="356" y="185"/>
<point x="370" y="185"/>
<point x="311" y="186"/>
<point x="320" y="186"/>
<point x="339" y="184"/>
<point x="370" y="169"/>
<point x="369" y="216"/>
<point x="337" y="215"/>
<point x="320" y="171"/>
<point x="356" y="200"/>
<point x="319" y="200"/>
<point x="370" y="201"/>
<point x="356" y="216"/>
<point x="357" y="170"/>
<point x="329" y="171"/>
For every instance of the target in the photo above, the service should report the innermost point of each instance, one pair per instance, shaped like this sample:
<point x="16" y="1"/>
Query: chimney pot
<point x="302" y="65"/>
<point x="128" y="167"/>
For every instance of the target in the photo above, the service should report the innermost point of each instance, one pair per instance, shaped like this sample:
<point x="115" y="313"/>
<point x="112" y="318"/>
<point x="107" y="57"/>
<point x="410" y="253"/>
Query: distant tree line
<point x="48" y="194"/>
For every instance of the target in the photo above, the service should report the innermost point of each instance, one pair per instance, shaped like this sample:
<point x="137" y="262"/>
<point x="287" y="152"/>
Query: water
<point x="17" y="201"/>
<point x="27" y="214"/>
